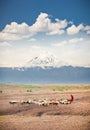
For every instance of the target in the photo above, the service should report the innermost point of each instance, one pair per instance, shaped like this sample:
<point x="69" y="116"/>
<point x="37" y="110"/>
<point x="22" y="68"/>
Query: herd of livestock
<point x="44" y="102"/>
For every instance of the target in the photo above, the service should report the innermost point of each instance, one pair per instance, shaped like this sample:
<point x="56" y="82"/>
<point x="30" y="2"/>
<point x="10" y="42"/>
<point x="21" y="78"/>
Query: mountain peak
<point x="44" y="61"/>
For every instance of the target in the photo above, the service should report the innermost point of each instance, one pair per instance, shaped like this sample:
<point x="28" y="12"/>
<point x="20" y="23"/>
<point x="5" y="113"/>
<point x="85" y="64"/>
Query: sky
<point x="30" y="28"/>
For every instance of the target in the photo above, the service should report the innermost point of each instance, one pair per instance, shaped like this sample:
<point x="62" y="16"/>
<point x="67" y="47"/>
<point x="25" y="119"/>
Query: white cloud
<point x="75" y="40"/>
<point x="35" y="47"/>
<point x="15" y="28"/>
<point x="8" y="36"/>
<point x="74" y="29"/>
<point x="69" y="48"/>
<point x="4" y="44"/>
<point x="32" y="40"/>
<point x="43" y="24"/>
<point x="60" y="44"/>
<point x="68" y="42"/>
<point x="87" y="29"/>
<point x="15" y="31"/>
<point x="55" y="32"/>
<point x="64" y="51"/>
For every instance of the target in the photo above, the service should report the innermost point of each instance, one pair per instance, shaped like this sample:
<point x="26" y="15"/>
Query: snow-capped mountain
<point x="45" y="68"/>
<point x="45" y="61"/>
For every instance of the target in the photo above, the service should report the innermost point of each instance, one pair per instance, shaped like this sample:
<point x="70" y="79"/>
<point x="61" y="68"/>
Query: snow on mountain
<point x="45" y="61"/>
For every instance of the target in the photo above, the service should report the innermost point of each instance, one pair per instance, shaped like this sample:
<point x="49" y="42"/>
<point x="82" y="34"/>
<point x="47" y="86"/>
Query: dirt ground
<point x="74" y="116"/>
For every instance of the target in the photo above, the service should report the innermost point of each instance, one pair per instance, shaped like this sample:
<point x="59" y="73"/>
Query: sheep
<point x="67" y="101"/>
<point x="23" y="101"/>
<point x="29" y="102"/>
<point x="13" y="102"/>
<point x="64" y="101"/>
<point x="54" y="103"/>
<point x="44" y="102"/>
<point x="37" y="103"/>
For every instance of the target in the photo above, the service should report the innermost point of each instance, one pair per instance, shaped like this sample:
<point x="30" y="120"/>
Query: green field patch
<point x="65" y="88"/>
<point x="26" y="87"/>
<point x="30" y="88"/>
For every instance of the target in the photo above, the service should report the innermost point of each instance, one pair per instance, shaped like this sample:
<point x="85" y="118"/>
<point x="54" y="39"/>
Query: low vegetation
<point x="30" y="88"/>
<point x="65" y="88"/>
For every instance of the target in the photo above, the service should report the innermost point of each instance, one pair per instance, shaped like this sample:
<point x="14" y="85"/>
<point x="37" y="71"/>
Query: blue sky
<point x="34" y="27"/>
<point x="27" y="11"/>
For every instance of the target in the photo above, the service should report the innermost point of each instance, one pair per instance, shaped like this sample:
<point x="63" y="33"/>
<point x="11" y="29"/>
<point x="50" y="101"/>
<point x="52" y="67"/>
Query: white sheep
<point x="13" y="102"/>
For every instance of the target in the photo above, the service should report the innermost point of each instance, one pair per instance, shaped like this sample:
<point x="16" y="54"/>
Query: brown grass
<point x="74" y="116"/>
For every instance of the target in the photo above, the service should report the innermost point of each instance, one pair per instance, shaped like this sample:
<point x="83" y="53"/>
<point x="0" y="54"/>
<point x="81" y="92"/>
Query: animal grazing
<point x="23" y="101"/>
<point x="13" y="102"/>
<point x="67" y="101"/>
<point x="45" y="102"/>
<point x="29" y="102"/>
<point x="53" y="103"/>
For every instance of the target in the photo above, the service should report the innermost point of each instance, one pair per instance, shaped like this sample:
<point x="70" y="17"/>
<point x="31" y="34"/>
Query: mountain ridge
<point x="38" y="75"/>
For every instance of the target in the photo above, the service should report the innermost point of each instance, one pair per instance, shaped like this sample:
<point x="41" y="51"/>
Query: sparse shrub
<point x="0" y="91"/>
<point x="27" y="90"/>
<point x="30" y="90"/>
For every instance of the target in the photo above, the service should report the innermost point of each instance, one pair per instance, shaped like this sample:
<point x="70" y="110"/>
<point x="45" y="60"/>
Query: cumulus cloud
<point x="15" y="31"/>
<point x="44" y="24"/>
<point x="9" y="36"/>
<point x="16" y="28"/>
<point x="74" y="29"/>
<point x="87" y="29"/>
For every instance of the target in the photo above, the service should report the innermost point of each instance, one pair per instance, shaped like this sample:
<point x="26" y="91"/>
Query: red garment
<point x="72" y="98"/>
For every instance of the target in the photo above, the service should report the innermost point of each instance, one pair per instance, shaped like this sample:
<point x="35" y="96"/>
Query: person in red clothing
<point x="72" y="98"/>
<point x="67" y="101"/>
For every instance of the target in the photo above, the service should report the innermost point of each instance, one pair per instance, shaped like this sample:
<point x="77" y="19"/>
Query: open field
<point x="74" y="116"/>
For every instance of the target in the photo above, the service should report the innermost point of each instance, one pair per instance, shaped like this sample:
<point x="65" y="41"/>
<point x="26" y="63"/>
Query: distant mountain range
<point x="44" y="75"/>
<point x="45" y="69"/>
